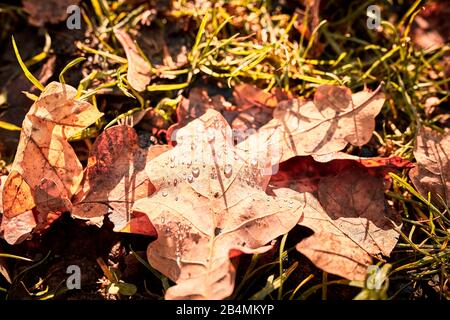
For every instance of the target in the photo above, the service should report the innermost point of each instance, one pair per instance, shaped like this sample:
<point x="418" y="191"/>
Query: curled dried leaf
<point x="432" y="173"/>
<point x="46" y="171"/>
<point x="139" y="70"/>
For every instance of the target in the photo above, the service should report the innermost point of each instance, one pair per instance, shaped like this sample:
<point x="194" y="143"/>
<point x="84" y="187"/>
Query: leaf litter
<point x="207" y="195"/>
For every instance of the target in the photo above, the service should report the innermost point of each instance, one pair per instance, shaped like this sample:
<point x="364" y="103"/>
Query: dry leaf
<point x="46" y="171"/>
<point x="49" y="11"/>
<point x="372" y="162"/>
<point x="191" y="109"/>
<point x="210" y="206"/>
<point x="252" y="107"/>
<point x="139" y="70"/>
<point x="350" y="226"/>
<point x="15" y="229"/>
<point x="115" y="177"/>
<point x="430" y="29"/>
<point x="251" y="119"/>
<point x="325" y="125"/>
<point x="304" y="173"/>
<point x="247" y="96"/>
<point x="432" y="173"/>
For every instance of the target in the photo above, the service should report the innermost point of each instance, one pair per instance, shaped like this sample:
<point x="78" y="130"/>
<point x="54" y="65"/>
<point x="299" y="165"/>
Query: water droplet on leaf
<point x="195" y="172"/>
<point x="228" y="170"/>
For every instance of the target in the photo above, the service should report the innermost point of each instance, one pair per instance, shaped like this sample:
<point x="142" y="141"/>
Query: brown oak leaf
<point x="304" y="173"/>
<point x="247" y="96"/>
<point x="210" y="206"/>
<point x="139" y="70"/>
<point x="350" y="223"/>
<point x="327" y="124"/>
<point x="15" y="229"/>
<point x="46" y="171"/>
<point x="191" y="109"/>
<point x="432" y="173"/>
<point x="252" y="108"/>
<point x="115" y="178"/>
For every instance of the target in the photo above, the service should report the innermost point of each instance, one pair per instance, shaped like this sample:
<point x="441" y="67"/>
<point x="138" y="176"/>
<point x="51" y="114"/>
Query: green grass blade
<point x="69" y="65"/>
<point x="167" y="87"/>
<point x="9" y="126"/>
<point x="12" y="256"/>
<point x="198" y="38"/>
<point x="27" y="72"/>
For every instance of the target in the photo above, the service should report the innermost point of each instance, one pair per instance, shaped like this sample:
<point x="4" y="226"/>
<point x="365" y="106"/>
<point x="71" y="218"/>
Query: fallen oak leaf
<point x="43" y="151"/>
<point x="139" y="70"/>
<point x="247" y="96"/>
<point x="432" y="172"/>
<point x="115" y="178"/>
<point x="210" y="206"/>
<point x="15" y="229"/>
<point x="17" y="195"/>
<point x="375" y="166"/>
<point x="139" y="223"/>
<point x="325" y="125"/>
<point x="50" y="203"/>
<point x="350" y="224"/>
<point x="49" y="198"/>
<point x="251" y="119"/>
<point x="252" y="108"/>
<point x="191" y="108"/>
<point x="430" y="28"/>
<point x="196" y="105"/>
<point x="351" y="197"/>
<point x="328" y="248"/>
<point x="303" y="174"/>
<point x="368" y="162"/>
